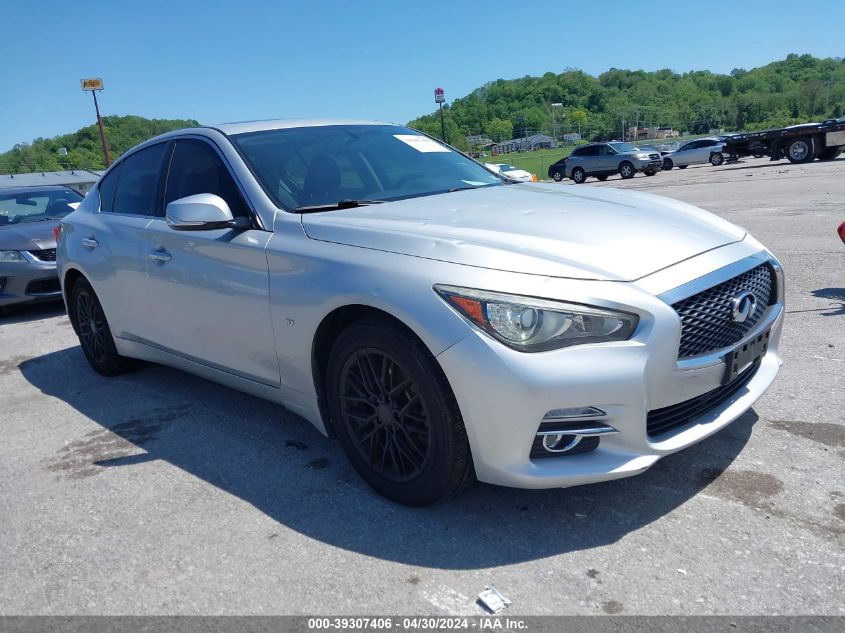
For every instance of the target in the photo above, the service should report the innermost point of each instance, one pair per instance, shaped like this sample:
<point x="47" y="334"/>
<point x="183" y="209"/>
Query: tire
<point x="758" y="155"/>
<point x="682" y="166"/>
<point x="578" y="175"/>
<point x="602" y="178"/>
<point x="626" y="170"/>
<point x="668" y="164"/>
<point x="649" y="172"/>
<point x="830" y="153"/>
<point x="800" y="150"/>
<point x="95" y="337"/>
<point x="716" y="159"/>
<point x="377" y="375"/>
<point x="557" y="176"/>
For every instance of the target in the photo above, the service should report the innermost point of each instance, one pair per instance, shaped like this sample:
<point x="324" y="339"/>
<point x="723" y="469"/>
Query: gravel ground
<point x="161" y="493"/>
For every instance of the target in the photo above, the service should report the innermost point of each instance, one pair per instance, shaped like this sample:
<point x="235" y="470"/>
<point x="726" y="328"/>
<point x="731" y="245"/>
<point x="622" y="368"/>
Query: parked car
<point x="28" y="216"/>
<point x="699" y="151"/>
<point x="509" y="171"/>
<point x="603" y="159"/>
<point x="441" y="321"/>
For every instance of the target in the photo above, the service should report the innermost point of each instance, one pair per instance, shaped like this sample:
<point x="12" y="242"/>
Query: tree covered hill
<point x="84" y="150"/>
<point x="799" y="89"/>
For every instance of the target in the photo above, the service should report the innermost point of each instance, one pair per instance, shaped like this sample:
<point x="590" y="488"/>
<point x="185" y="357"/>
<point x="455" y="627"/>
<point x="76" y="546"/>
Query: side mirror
<point x="200" y="212"/>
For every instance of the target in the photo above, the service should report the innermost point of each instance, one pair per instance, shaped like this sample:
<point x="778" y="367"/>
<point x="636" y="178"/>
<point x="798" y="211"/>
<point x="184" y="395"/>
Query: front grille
<point x="46" y="255"/>
<point x="706" y="323"/>
<point x="660" y="421"/>
<point x="43" y="287"/>
<point x="654" y="156"/>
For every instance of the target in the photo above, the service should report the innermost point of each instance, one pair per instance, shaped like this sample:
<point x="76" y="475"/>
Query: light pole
<point x="439" y="98"/>
<point x="92" y="86"/>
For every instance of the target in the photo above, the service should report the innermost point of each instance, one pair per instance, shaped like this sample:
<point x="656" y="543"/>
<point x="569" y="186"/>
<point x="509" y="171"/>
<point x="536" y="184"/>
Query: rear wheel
<point x="557" y="176"/>
<point x="716" y="159"/>
<point x="626" y="170"/>
<point x="395" y="414"/>
<point x="578" y="175"/>
<point x="95" y="337"/>
<point x="800" y="150"/>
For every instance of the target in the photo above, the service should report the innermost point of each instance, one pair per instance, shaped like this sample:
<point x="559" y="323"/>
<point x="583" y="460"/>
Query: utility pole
<point x="92" y="86"/>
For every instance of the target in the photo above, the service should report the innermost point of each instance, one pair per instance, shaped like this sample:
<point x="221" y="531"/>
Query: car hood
<point x="575" y="232"/>
<point x="29" y="236"/>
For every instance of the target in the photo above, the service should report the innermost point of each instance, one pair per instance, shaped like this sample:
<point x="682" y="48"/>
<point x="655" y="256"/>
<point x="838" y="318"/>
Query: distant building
<point x="79" y="179"/>
<point x="479" y="140"/>
<point x="526" y="144"/>
<point x="573" y="137"/>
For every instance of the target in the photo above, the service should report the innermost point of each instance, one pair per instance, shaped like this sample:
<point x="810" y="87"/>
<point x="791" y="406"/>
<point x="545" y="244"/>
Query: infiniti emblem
<point x="742" y="306"/>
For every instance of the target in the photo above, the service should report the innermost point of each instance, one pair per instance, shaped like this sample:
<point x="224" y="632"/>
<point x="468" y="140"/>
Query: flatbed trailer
<point x="797" y="143"/>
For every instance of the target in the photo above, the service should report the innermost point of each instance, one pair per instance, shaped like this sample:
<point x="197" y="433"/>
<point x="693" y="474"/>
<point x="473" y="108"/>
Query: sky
<point x="219" y="61"/>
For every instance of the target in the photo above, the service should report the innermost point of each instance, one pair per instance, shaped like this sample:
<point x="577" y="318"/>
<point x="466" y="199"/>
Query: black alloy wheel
<point x="91" y="326"/>
<point x="395" y="415"/>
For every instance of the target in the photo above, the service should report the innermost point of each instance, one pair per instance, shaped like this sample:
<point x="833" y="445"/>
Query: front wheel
<point x="395" y="414"/>
<point x="95" y="337"/>
<point x="626" y="170"/>
<point x="682" y="166"/>
<point x="668" y="164"/>
<point x="716" y="159"/>
<point x="578" y="175"/>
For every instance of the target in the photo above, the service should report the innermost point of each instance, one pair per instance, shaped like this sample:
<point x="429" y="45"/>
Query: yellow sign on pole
<point x="92" y="84"/>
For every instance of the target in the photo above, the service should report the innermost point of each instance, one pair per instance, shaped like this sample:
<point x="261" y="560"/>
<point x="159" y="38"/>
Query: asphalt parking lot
<point x="161" y="493"/>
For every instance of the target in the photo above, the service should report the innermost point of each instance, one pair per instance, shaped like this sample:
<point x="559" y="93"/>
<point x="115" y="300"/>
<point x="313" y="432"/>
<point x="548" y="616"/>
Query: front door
<point x="208" y="289"/>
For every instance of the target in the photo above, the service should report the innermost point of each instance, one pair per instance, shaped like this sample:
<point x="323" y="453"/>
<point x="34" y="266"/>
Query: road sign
<point x="91" y="84"/>
<point x="439" y="95"/>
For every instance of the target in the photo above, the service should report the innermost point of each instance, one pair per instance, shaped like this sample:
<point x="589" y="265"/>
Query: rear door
<point x="208" y="290"/>
<point x="111" y="242"/>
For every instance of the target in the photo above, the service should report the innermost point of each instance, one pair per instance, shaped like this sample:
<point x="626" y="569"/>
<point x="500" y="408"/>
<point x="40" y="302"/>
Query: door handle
<point x="160" y="257"/>
<point x="90" y="243"/>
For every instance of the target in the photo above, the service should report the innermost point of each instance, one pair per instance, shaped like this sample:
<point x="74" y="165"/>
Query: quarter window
<point x="139" y="181"/>
<point x="107" y="186"/>
<point x="197" y="168"/>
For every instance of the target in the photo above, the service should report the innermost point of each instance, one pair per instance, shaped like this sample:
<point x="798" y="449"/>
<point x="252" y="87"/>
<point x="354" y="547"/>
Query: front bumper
<point x="650" y="164"/>
<point x="504" y="394"/>
<point x="28" y="281"/>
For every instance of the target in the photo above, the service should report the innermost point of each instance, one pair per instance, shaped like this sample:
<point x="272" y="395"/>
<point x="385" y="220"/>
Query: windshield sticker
<point x="421" y="143"/>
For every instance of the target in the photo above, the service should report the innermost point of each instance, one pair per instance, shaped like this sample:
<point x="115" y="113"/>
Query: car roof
<point x="279" y="124"/>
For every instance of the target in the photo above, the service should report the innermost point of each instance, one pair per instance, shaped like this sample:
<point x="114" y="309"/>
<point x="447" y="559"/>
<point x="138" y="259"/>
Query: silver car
<point x="605" y="159"/>
<point x="28" y="216"/>
<point x="698" y="152"/>
<point x="443" y="323"/>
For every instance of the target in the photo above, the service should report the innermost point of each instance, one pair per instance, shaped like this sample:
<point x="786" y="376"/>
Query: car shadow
<point x="27" y="312"/>
<point x="284" y="468"/>
<point x="837" y="294"/>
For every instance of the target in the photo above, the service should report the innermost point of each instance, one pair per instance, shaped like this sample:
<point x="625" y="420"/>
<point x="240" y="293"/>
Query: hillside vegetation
<point x="799" y="89"/>
<point x="84" y="150"/>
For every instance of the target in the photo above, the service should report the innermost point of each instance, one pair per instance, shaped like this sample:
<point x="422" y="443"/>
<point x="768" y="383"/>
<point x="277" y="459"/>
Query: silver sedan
<point x="443" y="323"/>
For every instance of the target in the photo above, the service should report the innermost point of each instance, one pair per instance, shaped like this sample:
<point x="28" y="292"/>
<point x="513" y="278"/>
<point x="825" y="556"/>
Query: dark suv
<point x="603" y="159"/>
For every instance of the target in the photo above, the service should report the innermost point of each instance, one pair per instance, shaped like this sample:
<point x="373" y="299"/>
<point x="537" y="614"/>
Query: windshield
<point x="313" y="166"/>
<point x="36" y="205"/>
<point x="623" y="148"/>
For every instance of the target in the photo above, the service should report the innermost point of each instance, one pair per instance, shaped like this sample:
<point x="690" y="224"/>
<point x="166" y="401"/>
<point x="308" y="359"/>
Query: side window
<point x="107" y="186"/>
<point x="579" y="152"/>
<point x="197" y="168"/>
<point x="139" y="181"/>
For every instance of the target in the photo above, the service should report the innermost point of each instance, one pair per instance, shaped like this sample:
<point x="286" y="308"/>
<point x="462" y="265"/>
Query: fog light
<point x="560" y="443"/>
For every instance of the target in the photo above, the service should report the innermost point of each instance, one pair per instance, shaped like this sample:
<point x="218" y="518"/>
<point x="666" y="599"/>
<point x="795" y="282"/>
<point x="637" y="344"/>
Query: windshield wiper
<point x="340" y="204"/>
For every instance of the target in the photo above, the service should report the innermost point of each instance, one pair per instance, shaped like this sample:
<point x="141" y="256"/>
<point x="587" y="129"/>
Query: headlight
<point x="642" y="156"/>
<point x="537" y="325"/>
<point x="11" y="256"/>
